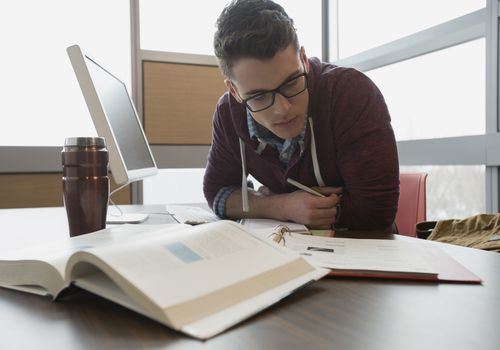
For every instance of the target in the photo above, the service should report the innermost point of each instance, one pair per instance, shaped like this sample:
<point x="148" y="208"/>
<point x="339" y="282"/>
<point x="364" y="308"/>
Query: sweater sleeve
<point x="367" y="154"/>
<point x="223" y="163"/>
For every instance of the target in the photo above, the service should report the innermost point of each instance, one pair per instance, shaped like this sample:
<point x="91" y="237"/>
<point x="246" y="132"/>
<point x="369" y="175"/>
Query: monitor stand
<point x="127" y="218"/>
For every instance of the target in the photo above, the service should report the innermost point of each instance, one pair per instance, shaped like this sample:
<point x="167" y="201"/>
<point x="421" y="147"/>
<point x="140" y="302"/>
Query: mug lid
<point x="84" y="141"/>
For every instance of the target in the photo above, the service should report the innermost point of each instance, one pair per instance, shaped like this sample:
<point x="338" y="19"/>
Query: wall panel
<point x="41" y="190"/>
<point x="179" y="102"/>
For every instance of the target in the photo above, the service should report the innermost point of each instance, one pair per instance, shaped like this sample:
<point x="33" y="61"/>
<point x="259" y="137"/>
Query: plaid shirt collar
<point x="285" y="149"/>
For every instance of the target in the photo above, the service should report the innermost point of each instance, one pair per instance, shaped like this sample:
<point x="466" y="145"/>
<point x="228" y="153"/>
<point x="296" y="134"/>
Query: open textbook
<point x="376" y="258"/>
<point x="199" y="280"/>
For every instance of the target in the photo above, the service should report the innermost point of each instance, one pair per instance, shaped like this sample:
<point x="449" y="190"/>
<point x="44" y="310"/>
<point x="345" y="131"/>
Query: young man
<point x="287" y="116"/>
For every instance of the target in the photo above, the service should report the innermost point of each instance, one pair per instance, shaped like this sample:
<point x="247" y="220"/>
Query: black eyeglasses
<point x="290" y="88"/>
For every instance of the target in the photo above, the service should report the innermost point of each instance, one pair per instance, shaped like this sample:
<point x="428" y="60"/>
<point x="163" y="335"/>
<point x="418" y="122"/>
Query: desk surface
<point x="330" y="314"/>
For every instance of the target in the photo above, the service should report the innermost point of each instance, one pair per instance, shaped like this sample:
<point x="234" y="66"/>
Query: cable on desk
<point x="113" y="203"/>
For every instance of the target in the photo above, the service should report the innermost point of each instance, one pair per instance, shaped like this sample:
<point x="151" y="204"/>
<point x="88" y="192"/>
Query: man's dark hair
<point x="252" y="29"/>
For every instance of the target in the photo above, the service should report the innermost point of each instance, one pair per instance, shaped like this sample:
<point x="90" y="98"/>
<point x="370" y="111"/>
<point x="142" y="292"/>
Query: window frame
<point x="463" y="150"/>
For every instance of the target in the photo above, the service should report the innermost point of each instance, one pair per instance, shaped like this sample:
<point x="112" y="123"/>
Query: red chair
<point x="412" y="202"/>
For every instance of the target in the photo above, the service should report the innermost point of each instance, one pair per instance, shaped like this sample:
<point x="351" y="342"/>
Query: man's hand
<point x="313" y="211"/>
<point x="299" y="206"/>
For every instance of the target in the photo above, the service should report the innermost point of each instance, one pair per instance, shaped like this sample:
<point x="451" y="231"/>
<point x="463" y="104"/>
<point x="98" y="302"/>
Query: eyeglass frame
<point x="274" y="92"/>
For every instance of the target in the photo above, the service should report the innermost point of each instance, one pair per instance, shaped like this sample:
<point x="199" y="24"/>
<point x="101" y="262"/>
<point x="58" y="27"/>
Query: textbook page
<point x="360" y="254"/>
<point x="40" y="269"/>
<point x="357" y="254"/>
<point x="217" y="322"/>
<point x="193" y="273"/>
<point x="210" y="325"/>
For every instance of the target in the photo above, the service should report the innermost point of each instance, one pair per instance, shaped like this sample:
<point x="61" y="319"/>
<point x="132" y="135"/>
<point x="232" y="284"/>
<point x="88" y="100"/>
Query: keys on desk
<point x="191" y="215"/>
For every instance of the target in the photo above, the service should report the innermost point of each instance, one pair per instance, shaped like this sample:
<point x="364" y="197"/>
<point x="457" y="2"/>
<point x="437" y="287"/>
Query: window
<point x="189" y="26"/>
<point x="453" y="192"/>
<point x="41" y="100"/>
<point x="363" y="24"/>
<point x="441" y="94"/>
<point x="436" y="87"/>
<point x="307" y="19"/>
<point x="174" y="186"/>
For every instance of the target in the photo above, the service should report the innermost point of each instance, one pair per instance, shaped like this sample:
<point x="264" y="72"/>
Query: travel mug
<point x="85" y="183"/>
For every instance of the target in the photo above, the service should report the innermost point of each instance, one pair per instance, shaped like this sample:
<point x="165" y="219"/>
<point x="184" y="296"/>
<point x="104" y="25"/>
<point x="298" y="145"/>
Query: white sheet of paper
<point x="270" y="224"/>
<point x="355" y="254"/>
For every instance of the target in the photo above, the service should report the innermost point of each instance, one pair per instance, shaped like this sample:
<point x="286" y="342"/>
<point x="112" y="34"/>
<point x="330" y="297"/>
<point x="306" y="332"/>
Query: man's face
<point x="285" y="118"/>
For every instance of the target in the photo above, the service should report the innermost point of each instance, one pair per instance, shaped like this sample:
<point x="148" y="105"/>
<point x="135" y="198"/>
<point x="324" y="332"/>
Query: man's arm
<point x="367" y="154"/>
<point x="298" y="206"/>
<point x="223" y="170"/>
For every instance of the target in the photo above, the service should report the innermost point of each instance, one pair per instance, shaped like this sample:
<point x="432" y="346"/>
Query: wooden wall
<point x="179" y="102"/>
<point x="41" y="190"/>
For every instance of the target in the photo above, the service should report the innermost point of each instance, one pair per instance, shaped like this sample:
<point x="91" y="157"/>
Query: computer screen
<point x="115" y="118"/>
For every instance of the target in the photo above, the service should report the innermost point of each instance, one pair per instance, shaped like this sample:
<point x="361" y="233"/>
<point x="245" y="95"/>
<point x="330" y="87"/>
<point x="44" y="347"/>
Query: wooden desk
<point x="331" y="314"/>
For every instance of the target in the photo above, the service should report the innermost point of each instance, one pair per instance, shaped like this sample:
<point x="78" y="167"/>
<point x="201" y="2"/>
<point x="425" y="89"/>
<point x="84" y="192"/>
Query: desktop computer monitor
<point x="115" y="118"/>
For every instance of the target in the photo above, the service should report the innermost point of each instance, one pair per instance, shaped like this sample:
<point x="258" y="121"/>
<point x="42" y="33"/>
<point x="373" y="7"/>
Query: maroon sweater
<point x="355" y="146"/>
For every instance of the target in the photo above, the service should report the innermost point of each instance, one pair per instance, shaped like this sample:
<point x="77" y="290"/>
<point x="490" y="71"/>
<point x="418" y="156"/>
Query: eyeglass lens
<point x="289" y="89"/>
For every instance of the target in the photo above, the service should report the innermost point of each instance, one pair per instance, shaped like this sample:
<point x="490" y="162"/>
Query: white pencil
<point x="304" y="188"/>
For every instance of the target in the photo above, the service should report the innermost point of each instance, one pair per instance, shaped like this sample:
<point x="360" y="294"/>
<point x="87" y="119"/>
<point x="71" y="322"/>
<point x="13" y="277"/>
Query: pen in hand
<point x="308" y="190"/>
<point x="304" y="188"/>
